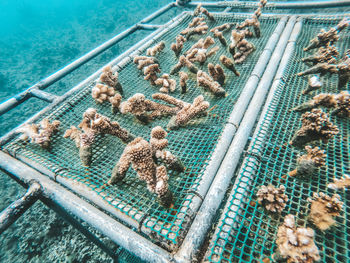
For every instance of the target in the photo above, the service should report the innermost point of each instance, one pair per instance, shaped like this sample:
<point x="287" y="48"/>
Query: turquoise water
<point x="36" y="39"/>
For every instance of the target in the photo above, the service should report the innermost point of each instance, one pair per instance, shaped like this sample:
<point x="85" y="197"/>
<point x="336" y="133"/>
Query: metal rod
<point x="26" y="94"/>
<point x="94" y="76"/>
<point x="10" y="214"/>
<point x="43" y="95"/>
<point x="235" y="117"/>
<point x="108" y="226"/>
<point x="149" y="26"/>
<point x="256" y="145"/>
<point x="220" y="184"/>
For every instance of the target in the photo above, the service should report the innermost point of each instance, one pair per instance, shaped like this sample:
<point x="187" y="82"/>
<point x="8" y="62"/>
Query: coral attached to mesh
<point x="217" y="73"/>
<point x="204" y="80"/>
<point x="153" y="51"/>
<point x="201" y="10"/>
<point x="341" y="183"/>
<point x="273" y="199"/>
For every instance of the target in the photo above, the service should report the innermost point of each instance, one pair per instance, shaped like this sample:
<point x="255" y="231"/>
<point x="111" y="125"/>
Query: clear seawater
<point x="37" y="38"/>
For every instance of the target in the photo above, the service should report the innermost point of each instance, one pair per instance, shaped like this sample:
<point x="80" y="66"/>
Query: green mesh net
<point x="245" y="231"/>
<point x="194" y="144"/>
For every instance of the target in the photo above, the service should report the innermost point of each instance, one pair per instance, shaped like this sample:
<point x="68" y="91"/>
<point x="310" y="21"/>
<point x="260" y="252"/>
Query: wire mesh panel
<point x="194" y="143"/>
<point x="246" y="232"/>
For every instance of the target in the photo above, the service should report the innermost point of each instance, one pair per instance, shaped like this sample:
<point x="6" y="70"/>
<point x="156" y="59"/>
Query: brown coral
<point x="251" y="22"/>
<point x="200" y="52"/>
<point x="93" y="124"/>
<point x="184" y="62"/>
<point x="323" y="210"/>
<point x="199" y="9"/>
<point x="342" y="183"/>
<point x="204" y="80"/>
<point x="229" y="64"/>
<point x="295" y="244"/>
<point x="167" y="83"/>
<point x="327" y="54"/>
<point x="188" y="112"/>
<point x="178" y="46"/>
<point x="150" y="67"/>
<point x="39" y="134"/>
<point x="218" y="32"/>
<point x="217" y="73"/>
<point x="103" y="93"/>
<point x="315" y="126"/>
<point x="240" y="48"/>
<point x="152" y="51"/>
<point x="273" y="199"/>
<point x="327" y="37"/>
<point x="309" y="163"/>
<point x="111" y="79"/>
<point x="183" y="81"/>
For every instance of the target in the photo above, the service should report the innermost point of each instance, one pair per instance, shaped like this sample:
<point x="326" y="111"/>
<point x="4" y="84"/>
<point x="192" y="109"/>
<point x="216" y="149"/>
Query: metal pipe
<point x="94" y="76"/>
<point x="216" y="193"/>
<point x="149" y="26"/>
<point x="45" y="96"/>
<point x="108" y="226"/>
<point x="255" y="146"/>
<point x="10" y="214"/>
<point x="24" y="95"/>
<point x="235" y="118"/>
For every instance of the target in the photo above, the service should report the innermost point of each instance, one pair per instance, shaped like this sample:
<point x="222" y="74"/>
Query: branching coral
<point x="184" y="62"/>
<point x="178" y="46"/>
<point x="342" y="183"/>
<point x="183" y="81"/>
<point x="107" y="77"/>
<point x="229" y="64"/>
<point x="204" y="80"/>
<point x="315" y="126"/>
<point x="314" y="83"/>
<point x="167" y="83"/>
<point x="199" y="9"/>
<point x="150" y="67"/>
<point x="152" y="51"/>
<point x="323" y="210"/>
<point x="244" y="48"/>
<point x="93" y="124"/>
<point x="146" y="110"/>
<point x="327" y="54"/>
<point x="188" y="112"/>
<point x="218" y="32"/>
<point x="143" y="155"/>
<point x="199" y="52"/>
<point x="217" y="73"/>
<point x="295" y="244"/>
<point x="340" y="102"/>
<point x="308" y="164"/>
<point x="254" y="22"/>
<point x="39" y="134"/>
<point x="196" y="27"/>
<point x="103" y="93"/>
<point x="273" y="199"/>
<point x="327" y="37"/>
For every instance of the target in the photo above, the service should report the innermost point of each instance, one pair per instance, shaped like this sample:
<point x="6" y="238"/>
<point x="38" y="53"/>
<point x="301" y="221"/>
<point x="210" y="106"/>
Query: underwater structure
<point x="223" y="136"/>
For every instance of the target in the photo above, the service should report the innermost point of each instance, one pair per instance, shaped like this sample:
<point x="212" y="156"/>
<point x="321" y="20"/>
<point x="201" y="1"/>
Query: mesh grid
<point x="193" y="144"/>
<point x="246" y="232"/>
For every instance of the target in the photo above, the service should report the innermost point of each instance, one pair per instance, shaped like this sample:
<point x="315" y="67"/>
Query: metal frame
<point x="225" y="158"/>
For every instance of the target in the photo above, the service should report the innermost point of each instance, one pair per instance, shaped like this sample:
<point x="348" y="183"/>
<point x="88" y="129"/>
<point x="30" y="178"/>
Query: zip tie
<point x="57" y="171"/>
<point x="141" y="222"/>
<point x="195" y="193"/>
<point x="255" y="155"/>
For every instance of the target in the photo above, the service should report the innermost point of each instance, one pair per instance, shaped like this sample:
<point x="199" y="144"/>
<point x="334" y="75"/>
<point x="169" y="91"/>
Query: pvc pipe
<point x="94" y="76"/>
<point x="216" y="193"/>
<point x="10" y="214"/>
<point x="158" y="13"/>
<point x="45" y="96"/>
<point x="108" y="226"/>
<point x="235" y="118"/>
<point x="256" y="145"/>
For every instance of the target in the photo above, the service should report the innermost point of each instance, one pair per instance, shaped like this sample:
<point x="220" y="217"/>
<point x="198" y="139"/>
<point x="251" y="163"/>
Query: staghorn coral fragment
<point x="188" y="112"/>
<point x="167" y="83"/>
<point x="143" y="61"/>
<point x="199" y="52"/>
<point x="342" y="183"/>
<point x="240" y="48"/>
<point x="342" y="109"/>
<point x="93" y="124"/>
<point x="199" y="9"/>
<point x="152" y="51"/>
<point x="327" y="37"/>
<point x="204" y="80"/>
<point x="229" y="64"/>
<point x="295" y="244"/>
<point x="315" y="126"/>
<point x="251" y="22"/>
<point x="327" y="54"/>
<point x="199" y="30"/>
<point x="39" y="134"/>
<point x="314" y="83"/>
<point x="178" y="46"/>
<point x="217" y="73"/>
<point x="150" y="67"/>
<point x="262" y="3"/>
<point x="308" y="164"/>
<point x="146" y="110"/>
<point x="273" y="199"/>
<point x="143" y="156"/>
<point x="103" y="93"/>
<point x="323" y="210"/>
<point x="183" y="81"/>
<point x="219" y="35"/>
<point x="196" y="21"/>
<point x="184" y="62"/>
<point x="107" y="77"/>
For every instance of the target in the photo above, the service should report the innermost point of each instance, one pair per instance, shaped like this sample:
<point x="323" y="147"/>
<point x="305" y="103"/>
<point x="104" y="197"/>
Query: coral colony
<point x="273" y="199"/>
<point x="341" y="183"/>
<point x="153" y="51"/>
<point x="92" y="125"/>
<point x="39" y="134"/>
<point x="142" y="155"/>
